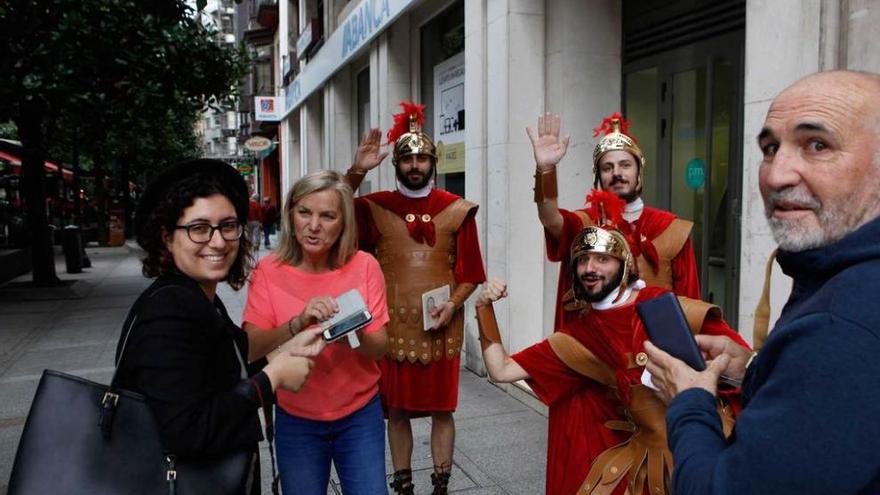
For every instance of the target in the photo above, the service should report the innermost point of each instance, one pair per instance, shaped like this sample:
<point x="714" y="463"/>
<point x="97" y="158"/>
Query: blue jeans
<point x="355" y="444"/>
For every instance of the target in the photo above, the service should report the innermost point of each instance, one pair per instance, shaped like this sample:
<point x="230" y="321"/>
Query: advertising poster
<point x="449" y="114"/>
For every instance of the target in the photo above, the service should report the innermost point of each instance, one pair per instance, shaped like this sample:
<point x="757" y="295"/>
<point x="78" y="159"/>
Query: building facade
<point x="219" y="130"/>
<point x="695" y="76"/>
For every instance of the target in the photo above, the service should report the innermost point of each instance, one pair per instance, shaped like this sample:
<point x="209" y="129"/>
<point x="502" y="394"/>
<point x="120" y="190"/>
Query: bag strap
<point x="270" y="422"/>
<point x="133" y="317"/>
<point x="108" y="408"/>
<point x="762" y="311"/>
<point x="270" y="437"/>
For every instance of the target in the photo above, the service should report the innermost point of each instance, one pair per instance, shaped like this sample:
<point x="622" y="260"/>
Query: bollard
<point x="71" y="243"/>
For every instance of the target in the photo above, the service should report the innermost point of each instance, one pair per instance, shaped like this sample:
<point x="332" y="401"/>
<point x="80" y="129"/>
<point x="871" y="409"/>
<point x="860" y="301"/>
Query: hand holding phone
<point x="668" y="329"/>
<point x="352" y="315"/>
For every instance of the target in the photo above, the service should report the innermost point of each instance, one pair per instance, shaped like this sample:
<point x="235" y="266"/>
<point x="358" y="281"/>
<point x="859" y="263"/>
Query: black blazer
<point x="180" y="355"/>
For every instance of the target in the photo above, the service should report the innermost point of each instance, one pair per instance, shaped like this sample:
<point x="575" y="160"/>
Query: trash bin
<point x="71" y="243"/>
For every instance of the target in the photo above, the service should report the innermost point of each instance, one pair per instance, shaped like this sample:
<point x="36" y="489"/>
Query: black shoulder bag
<point x="85" y="438"/>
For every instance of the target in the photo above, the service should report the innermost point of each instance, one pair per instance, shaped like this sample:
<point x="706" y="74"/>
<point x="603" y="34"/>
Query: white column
<point x="583" y="85"/>
<point x="475" y="94"/>
<point x="391" y="64"/>
<point x="291" y="152"/>
<point x="340" y="148"/>
<point x="313" y="131"/>
<point x="515" y="90"/>
<point x="862" y="33"/>
<point x="794" y="29"/>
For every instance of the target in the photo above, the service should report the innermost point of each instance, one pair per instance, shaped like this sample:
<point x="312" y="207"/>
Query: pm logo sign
<point x="267" y="108"/>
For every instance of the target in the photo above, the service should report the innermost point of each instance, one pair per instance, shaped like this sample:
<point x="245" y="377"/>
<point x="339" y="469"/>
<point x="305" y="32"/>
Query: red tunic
<point x="579" y="406"/>
<point x="414" y="386"/>
<point x="651" y="223"/>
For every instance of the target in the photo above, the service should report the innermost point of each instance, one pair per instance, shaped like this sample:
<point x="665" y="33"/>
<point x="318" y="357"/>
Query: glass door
<point x="686" y="109"/>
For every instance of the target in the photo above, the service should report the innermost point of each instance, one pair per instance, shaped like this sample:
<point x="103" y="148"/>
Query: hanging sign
<point x="258" y="143"/>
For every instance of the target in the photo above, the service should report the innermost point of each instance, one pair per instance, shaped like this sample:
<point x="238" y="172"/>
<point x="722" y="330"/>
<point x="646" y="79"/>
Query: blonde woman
<point x="336" y="417"/>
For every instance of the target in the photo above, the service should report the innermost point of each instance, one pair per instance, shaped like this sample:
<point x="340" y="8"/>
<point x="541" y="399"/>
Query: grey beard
<point x="795" y="236"/>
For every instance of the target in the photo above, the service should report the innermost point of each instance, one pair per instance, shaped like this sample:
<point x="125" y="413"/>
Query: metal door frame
<point x="693" y="56"/>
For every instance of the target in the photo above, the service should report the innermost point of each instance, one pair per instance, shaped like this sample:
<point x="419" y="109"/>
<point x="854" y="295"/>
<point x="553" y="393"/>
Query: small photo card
<point x="433" y="299"/>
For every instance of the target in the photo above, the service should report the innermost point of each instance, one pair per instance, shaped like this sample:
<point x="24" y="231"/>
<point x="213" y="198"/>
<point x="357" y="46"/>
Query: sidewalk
<point x="500" y="442"/>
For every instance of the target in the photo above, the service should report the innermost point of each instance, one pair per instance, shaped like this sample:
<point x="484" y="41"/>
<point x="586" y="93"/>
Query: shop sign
<point x="245" y="168"/>
<point x="449" y="114"/>
<point x="258" y="143"/>
<point x="363" y="23"/>
<point x="367" y="19"/>
<point x="695" y="173"/>
<point x="267" y="108"/>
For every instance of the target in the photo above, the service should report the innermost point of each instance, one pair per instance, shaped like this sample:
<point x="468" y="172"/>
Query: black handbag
<point x="83" y="437"/>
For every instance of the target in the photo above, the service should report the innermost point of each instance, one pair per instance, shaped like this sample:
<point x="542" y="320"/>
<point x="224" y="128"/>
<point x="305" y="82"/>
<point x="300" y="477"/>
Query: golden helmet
<point x="606" y="241"/>
<point x="406" y="134"/>
<point x="616" y="138"/>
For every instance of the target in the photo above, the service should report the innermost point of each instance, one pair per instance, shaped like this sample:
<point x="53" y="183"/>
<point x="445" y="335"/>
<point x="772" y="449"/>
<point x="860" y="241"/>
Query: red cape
<point x="579" y="406"/>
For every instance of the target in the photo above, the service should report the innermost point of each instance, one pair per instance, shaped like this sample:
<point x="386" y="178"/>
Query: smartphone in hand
<point x="353" y="315"/>
<point x="668" y="329"/>
<point x="348" y="325"/>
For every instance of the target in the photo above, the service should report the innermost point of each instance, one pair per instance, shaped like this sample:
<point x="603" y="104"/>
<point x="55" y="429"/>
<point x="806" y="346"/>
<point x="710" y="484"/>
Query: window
<point x="441" y="39"/>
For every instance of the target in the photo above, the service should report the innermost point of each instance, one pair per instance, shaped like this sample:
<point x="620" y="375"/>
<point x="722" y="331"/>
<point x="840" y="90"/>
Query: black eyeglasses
<point x="201" y="233"/>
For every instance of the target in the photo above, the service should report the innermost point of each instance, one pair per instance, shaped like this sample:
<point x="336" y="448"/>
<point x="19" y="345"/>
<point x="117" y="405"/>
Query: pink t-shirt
<point x="342" y="380"/>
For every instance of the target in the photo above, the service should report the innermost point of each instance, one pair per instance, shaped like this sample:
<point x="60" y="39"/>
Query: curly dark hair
<point x="168" y="210"/>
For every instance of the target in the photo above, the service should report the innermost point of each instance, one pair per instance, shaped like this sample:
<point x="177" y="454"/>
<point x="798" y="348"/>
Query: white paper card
<point x="434" y="298"/>
<point x="646" y="380"/>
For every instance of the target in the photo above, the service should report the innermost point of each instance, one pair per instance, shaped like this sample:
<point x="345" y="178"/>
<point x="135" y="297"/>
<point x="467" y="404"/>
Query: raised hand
<point x="369" y="153"/>
<point x="493" y="290"/>
<point x="548" y="147"/>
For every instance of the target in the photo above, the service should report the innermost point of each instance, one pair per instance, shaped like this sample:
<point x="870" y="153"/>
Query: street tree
<point x="96" y="65"/>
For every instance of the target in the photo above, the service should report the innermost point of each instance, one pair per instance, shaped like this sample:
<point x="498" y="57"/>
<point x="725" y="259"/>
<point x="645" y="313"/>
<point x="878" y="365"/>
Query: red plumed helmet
<point x="411" y="119"/>
<point x="607" y="126"/>
<point x="406" y="134"/>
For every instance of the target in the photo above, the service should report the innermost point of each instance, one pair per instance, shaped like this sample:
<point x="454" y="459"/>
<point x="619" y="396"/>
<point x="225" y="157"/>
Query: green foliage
<point x="8" y="130"/>
<point x="119" y="79"/>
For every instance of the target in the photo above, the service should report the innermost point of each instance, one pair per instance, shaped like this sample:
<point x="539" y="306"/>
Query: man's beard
<point x="606" y="289"/>
<point x="800" y="235"/>
<point x="416" y="184"/>
<point x="627" y="197"/>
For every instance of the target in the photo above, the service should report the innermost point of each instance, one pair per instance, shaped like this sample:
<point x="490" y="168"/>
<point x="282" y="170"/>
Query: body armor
<point x="645" y="456"/>
<point x="411" y="269"/>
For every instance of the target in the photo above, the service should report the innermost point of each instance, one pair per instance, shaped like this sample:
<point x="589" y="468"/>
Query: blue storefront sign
<point x="695" y="173"/>
<point x="365" y="22"/>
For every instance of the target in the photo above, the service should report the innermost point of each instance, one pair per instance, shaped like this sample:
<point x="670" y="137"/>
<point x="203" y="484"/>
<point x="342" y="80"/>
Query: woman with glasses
<point x="181" y="349"/>
<point x="337" y="416"/>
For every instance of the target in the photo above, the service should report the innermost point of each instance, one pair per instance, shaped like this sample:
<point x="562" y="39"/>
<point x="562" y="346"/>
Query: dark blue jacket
<point x="811" y="417"/>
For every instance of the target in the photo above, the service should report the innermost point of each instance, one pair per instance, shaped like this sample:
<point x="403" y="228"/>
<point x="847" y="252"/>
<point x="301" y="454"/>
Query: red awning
<point x="16" y="162"/>
<point x="10" y="158"/>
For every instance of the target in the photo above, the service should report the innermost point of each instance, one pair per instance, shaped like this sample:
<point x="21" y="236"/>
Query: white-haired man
<point x="810" y="396"/>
